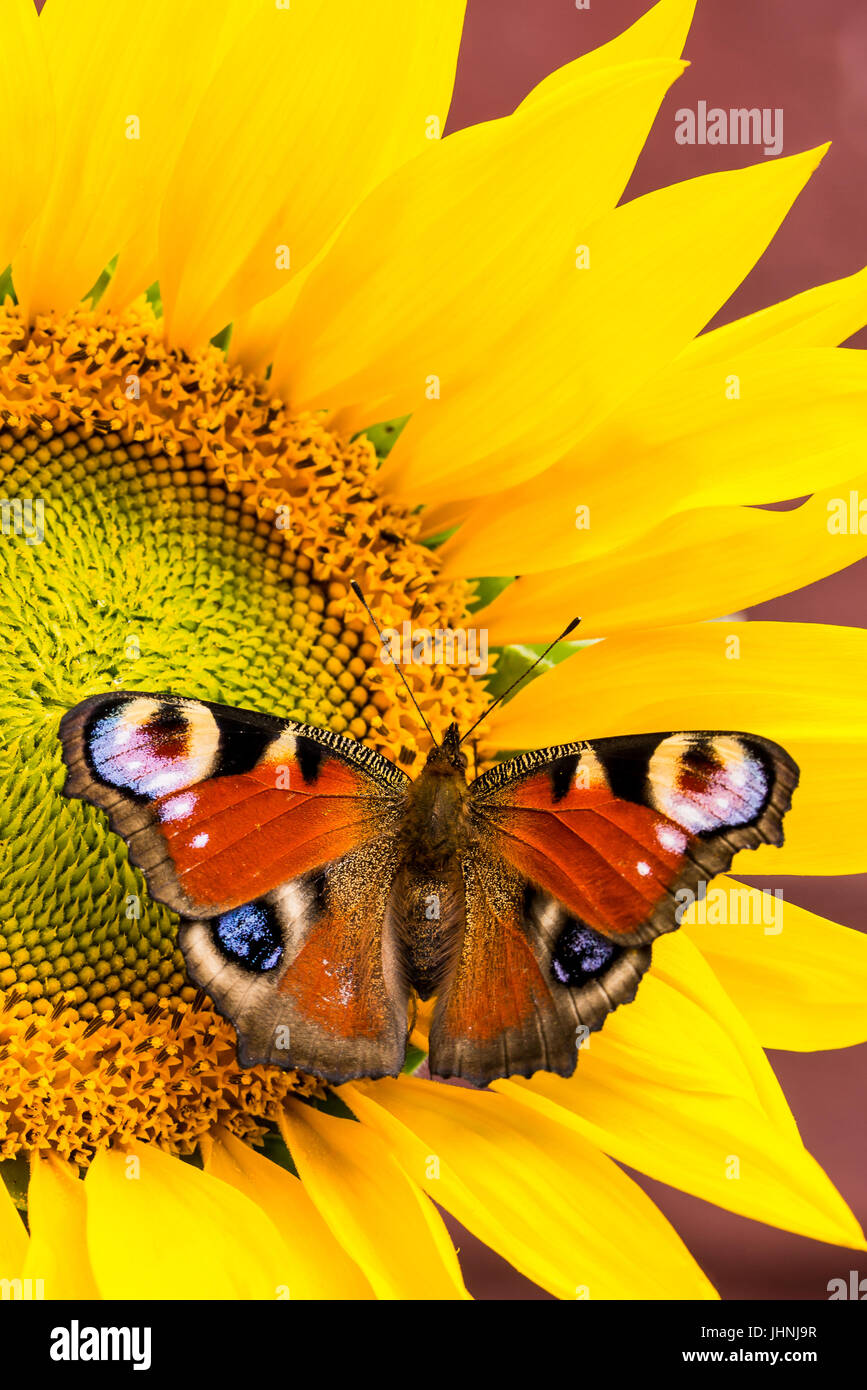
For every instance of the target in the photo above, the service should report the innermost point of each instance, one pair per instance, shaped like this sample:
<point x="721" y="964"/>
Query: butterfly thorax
<point x="434" y="825"/>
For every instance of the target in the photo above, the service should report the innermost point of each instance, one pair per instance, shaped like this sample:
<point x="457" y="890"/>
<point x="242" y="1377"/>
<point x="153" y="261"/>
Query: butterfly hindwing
<point x="261" y="833"/>
<point x="529" y="984"/>
<point x="309" y="974"/>
<point x="575" y="865"/>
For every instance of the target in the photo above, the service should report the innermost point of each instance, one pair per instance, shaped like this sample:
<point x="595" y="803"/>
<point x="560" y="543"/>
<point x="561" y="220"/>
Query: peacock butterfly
<point x="320" y="888"/>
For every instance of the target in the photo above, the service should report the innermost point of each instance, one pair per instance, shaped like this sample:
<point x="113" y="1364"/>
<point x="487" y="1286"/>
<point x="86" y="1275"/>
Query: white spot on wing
<point x="177" y="807"/>
<point x="671" y="838"/>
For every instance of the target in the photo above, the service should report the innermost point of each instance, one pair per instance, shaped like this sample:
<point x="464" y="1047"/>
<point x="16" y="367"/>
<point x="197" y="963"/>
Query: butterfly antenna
<point x="523" y="676"/>
<point x="360" y="596"/>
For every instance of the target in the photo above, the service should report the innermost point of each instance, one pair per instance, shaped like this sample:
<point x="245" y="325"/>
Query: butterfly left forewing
<point x="218" y="805"/>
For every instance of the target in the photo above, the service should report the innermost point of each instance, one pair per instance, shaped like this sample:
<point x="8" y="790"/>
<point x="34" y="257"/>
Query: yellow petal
<point x="797" y="680"/>
<point x="381" y="1218"/>
<point x="660" y="266"/>
<point x="822" y="834"/>
<point x="26" y="122"/>
<point x="160" y="1228"/>
<point x="138" y="266"/>
<point x="677" y="1087"/>
<point x="13" y="1236"/>
<point x="112" y="67"/>
<point x="316" y="1265"/>
<point x="434" y="520"/>
<point x="256" y="331"/>
<point x="799" y="980"/>
<point x="136" y="270"/>
<point x="295" y="129"/>
<point x="801" y="684"/>
<point x="696" y="564"/>
<point x="448" y="254"/>
<point x="57" y="1209"/>
<point x="821" y="317"/>
<point x="797" y="423"/>
<point x="420" y="1033"/>
<point x="660" y="33"/>
<point x="542" y="1197"/>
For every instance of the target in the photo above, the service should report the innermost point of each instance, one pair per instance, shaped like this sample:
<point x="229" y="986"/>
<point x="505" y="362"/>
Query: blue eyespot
<point x="581" y="954"/>
<point x="251" y="936"/>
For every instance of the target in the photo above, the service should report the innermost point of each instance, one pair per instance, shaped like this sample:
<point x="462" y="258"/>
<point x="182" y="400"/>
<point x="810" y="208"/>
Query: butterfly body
<point x="320" y="888"/>
<point x="427" y="898"/>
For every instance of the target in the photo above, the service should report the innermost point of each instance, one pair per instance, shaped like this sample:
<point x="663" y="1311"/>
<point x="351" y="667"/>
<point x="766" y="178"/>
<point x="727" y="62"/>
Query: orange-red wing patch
<point x="606" y="865"/>
<point x="517" y="1000"/>
<point x="613" y="828"/>
<point x="336" y="980"/>
<point x="497" y="985"/>
<point x="220" y="806"/>
<point x="236" y="838"/>
<point x="491" y="1005"/>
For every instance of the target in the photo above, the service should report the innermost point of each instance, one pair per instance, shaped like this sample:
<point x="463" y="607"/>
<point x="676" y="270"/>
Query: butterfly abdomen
<point x="428" y="915"/>
<point x="427" y="900"/>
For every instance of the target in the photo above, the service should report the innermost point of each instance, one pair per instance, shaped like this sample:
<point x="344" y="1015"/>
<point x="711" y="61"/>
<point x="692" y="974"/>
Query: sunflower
<point x="265" y="331"/>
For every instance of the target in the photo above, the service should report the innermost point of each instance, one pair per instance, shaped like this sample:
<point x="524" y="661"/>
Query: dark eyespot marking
<point x="250" y="936"/>
<point x="169" y="728"/>
<point x="561" y="774"/>
<point x="627" y="774"/>
<point x="241" y="746"/>
<point x="581" y="954"/>
<point x="309" y="756"/>
<point x="701" y="754"/>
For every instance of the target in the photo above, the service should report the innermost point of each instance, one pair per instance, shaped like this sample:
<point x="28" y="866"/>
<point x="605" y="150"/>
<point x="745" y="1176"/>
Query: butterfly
<point x="320" y="889"/>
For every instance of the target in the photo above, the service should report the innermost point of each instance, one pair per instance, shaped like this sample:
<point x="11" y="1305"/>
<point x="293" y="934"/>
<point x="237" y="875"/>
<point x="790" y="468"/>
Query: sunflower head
<point x="170" y="525"/>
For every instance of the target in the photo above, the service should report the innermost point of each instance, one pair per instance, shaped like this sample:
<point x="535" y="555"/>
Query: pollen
<point x="168" y="525"/>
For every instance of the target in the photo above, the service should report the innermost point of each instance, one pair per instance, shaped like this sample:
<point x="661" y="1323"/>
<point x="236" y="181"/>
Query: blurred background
<point x="811" y="60"/>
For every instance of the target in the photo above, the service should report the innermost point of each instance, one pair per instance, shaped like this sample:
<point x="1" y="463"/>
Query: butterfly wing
<point x="309" y="974"/>
<point x="504" y="1011"/>
<point x="275" y="841"/>
<point x="578" y="861"/>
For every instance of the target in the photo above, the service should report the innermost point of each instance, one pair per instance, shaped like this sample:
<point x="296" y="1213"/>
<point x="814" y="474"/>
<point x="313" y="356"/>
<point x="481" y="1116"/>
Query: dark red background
<point x="811" y="60"/>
